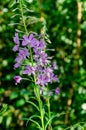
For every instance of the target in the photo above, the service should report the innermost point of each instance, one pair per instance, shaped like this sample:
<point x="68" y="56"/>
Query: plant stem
<point x="49" y="113"/>
<point x="22" y="14"/>
<point x="37" y="92"/>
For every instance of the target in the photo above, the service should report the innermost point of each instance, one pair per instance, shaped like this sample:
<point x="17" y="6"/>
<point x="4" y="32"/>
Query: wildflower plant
<point x="36" y="66"/>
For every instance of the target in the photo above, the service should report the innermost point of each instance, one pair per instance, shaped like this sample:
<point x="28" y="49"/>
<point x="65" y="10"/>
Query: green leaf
<point x="4" y="108"/>
<point x="13" y="95"/>
<point x="15" y="15"/>
<point x="20" y="102"/>
<point x="37" y="124"/>
<point x="29" y="119"/>
<point x="33" y="104"/>
<point x="52" y="117"/>
<point x="8" y="121"/>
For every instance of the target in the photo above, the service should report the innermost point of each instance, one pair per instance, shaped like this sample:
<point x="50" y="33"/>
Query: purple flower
<point x="42" y="44"/>
<point x="43" y="69"/>
<point x="54" y="65"/>
<point x="39" y="68"/>
<point x="29" y="70"/>
<point x="54" y="78"/>
<point x="38" y="44"/>
<point x="17" y="42"/>
<point x="42" y="80"/>
<point x="57" y="90"/>
<point x="16" y="39"/>
<point x="41" y="58"/>
<point x="17" y="79"/>
<point x="23" y="53"/>
<point x="35" y="43"/>
<point x="17" y="65"/>
<point x="19" y="59"/>
<point x="16" y="48"/>
<point x="27" y="40"/>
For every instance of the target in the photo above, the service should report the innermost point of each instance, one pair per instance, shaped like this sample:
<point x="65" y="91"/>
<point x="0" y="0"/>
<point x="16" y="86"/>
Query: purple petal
<point x="16" y="48"/>
<point x="57" y="90"/>
<point x="16" y="39"/>
<point x="17" y="79"/>
<point x="17" y="65"/>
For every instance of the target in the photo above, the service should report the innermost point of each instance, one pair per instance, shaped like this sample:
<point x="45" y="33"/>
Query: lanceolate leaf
<point x="38" y="126"/>
<point x="4" y="108"/>
<point x="52" y="117"/>
<point x="30" y="118"/>
<point x="33" y="104"/>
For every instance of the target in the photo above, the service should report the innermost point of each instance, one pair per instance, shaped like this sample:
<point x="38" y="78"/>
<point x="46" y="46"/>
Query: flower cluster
<point x="32" y="56"/>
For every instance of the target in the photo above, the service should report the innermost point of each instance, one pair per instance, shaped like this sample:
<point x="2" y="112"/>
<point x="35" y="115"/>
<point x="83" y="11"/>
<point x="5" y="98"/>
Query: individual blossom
<point x="17" y="43"/>
<point x="39" y="44"/>
<point x="42" y="80"/>
<point x="17" y="65"/>
<point x="17" y="79"/>
<point x="57" y="90"/>
<point x="29" y="70"/>
<point x="41" y="58"/>
<point x="23" y="53"/>
<point x="55" y="66"/>
<point x="27" y="40"/>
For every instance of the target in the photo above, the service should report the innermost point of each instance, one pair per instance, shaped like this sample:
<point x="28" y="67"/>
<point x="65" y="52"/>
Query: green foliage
<point x="60" y="18"/>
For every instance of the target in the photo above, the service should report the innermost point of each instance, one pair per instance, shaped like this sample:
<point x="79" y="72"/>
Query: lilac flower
<point x="41" y="58"/>
<point x="42" y="44"/>
<point x="16" y="48"/>
<point x="23" y="53"/>
<point x="27" y="40"/>
<point x="17" y="65"/>
<point x="35" y="43"/>
<point x="29" y="70"/>
<point x="42" y="68"/>
<point x="54" y="78"/>
<point x="17" y="79"/>
<point x="38" y="45"/>
<point x="42" y="80"/>
<point x="17" y="42"/>
<point x="19" y="59"/>
<point x="57" y="90"/>
<point x="54" y="65"/>
<point x="39" y="68"/>
<point x="16" y="39"/>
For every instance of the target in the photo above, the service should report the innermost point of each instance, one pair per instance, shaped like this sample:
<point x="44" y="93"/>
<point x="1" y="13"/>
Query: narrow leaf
<point x="15" y="9"/>
<point x="33" y="104"/>
<point x="15" y="15"/>
<point x="52" y="117"/>
<point x="36" y="124"/>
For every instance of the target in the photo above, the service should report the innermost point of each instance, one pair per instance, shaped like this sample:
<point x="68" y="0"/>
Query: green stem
<point x="49" y="113"/>
<point x="41" y="112"/>
<point x="37" y="92"/>
<point x="22" y="14"/>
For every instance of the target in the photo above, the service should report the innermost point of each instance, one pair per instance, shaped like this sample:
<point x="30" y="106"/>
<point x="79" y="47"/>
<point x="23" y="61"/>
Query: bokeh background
<point x="65" y="23"/>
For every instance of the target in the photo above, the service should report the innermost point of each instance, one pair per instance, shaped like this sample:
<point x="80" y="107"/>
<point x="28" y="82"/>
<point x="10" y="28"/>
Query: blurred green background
<point x="66" y="26"/>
